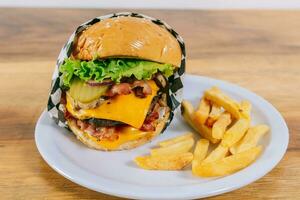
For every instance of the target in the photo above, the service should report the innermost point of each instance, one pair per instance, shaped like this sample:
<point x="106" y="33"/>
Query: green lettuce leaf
<point x="113" y="69"/>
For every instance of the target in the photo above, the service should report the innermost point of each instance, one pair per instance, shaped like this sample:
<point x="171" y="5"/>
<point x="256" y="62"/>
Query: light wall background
<point x="156" y="4"/>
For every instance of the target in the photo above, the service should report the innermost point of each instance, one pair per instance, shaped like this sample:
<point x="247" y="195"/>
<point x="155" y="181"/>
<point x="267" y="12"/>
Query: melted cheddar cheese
<point x="128" y="109"/>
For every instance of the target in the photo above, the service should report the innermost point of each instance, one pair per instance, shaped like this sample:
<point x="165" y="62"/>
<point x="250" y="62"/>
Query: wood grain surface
<point x="258" y="50"/>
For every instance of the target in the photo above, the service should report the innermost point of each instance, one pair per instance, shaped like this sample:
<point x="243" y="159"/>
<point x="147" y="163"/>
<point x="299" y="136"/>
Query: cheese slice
<point x="128" y="109"/>
<point x="127" y="134"/>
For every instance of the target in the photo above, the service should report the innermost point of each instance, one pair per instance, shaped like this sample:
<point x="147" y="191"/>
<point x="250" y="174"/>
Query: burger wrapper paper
<point x="56" y="109"/>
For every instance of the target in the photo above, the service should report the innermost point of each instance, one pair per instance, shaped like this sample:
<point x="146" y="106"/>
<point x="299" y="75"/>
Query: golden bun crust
<point x="129" y="145"/>
<point x="127" y="37"/>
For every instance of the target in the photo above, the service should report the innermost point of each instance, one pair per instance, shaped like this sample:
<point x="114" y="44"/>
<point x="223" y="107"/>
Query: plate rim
<point x="189" y="195"/>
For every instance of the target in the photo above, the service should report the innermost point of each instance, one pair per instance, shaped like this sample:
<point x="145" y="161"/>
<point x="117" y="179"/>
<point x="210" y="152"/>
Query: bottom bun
<point x="87" y="139"/>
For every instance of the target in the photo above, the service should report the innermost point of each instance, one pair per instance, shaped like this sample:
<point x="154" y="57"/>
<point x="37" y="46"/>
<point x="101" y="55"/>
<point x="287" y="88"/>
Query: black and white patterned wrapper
<point x="56" y="110"/>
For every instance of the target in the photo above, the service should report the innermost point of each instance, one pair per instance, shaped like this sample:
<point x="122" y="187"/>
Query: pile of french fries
<point x="172" y="154"/>
<point x="221" y="121"/>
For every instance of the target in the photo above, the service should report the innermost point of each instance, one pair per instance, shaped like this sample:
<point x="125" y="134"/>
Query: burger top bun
<point x="127" y="37"/>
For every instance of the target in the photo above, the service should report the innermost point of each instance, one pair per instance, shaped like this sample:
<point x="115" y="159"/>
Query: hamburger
<point x="115" y="82"/>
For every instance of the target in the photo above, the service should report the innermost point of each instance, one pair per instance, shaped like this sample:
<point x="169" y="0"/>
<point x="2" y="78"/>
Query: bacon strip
<point x="140" y="88"/>
<point x="122" y="88"/>
<point x="143" y="84"/>
<point x="150" y="122"/>
<point x="151" y="119"/>
<point x="108" y="133"/>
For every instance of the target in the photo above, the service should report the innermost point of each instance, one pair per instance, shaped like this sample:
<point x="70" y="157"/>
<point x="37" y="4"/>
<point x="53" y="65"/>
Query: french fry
<point x="214" y="115"/>
<point x="230" y="164"/>
<point x="206" y="133"/>
<point x="171" y="141"/>
<point x="217" y="154"/>
<point x="177" y="148"/>
<point x="187" y="107"/>
<point x="209" y="122"/>
<point x="235" y="132"/>
<point x="187" y="112"/>
<point x="217" y="97"/>
<point x="202" y="112"/>
<point x="251" y="139"/>
<point x="246" y="109"/>
<point x="215" y="112"/>
<point x="164" y="162"/>
<point x="219" y="127"/>
<point x="199" y="153"/>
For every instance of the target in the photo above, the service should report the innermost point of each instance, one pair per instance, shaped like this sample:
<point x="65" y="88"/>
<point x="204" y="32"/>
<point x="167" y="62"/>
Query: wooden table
<point x="258" y="50"/>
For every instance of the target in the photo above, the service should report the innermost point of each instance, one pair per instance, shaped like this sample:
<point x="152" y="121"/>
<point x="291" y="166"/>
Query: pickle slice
<point x="85" y="93"/>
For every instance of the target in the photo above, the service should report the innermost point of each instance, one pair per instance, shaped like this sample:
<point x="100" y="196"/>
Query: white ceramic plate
<point x="115" y="173"/>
